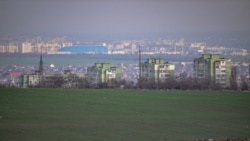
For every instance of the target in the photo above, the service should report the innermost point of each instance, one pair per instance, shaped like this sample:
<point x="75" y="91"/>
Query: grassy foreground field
<point x="122" y="115"/>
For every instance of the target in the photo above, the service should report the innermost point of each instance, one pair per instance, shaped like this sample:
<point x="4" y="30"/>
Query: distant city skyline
<point x="121" y="17"/>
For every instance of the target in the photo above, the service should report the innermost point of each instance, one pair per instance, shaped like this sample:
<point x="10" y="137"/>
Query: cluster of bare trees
<point x="113" y="83"/>
<point x="75" y="81"/>
<point x="189" y="84"/>
<point x="60" y="81"/>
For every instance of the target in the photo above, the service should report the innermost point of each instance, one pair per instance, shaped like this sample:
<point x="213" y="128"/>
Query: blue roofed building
<point x="91" y="49"/>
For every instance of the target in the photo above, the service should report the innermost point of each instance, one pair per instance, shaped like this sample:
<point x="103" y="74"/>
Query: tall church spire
<point x="41" y="65"/>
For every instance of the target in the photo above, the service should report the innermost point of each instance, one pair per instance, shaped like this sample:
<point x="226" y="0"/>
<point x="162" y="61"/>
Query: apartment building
<point x="8" y="48"/>
<point x="26" y="47"/>
<point x="157" y="69"/>
<point x="66" y="80"/>
<point x="213" y="68"/>
<point x="103" y="72"/>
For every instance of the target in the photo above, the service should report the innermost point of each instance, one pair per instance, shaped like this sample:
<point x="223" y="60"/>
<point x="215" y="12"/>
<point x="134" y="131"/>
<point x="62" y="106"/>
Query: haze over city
<point x="114" y="31"/>
<point x="141" y="70"/>
<point x="123" y="18"/>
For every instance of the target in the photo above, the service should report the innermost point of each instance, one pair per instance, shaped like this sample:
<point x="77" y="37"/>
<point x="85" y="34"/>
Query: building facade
<point x="26" y="48"/>
<point x="103" y="72"/>
<point x="30" y="80"/>
<point x="9" y="48"/>
<point x="66" y="80"/>
<point x="157" y="70"/>
<point x="213" y="68"/>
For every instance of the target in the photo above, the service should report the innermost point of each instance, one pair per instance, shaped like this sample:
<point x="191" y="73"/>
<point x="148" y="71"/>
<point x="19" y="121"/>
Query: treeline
<point x="174" y="83"/>
<point x="74" y="81"/>
<point x="190" y="84"/>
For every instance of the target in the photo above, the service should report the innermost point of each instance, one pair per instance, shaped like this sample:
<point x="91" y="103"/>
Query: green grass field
<point x="122" y="115"/>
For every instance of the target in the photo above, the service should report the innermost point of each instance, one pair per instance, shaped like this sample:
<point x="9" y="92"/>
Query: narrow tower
<point x="139" y="79"/>
<point x="41" y="65"/>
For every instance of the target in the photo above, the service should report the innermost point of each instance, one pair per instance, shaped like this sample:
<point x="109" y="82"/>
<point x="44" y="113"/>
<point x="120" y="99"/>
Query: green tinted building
<point x="213" y="68"/>
<point x="103" y="72"/>
<point x="157" y="69"/>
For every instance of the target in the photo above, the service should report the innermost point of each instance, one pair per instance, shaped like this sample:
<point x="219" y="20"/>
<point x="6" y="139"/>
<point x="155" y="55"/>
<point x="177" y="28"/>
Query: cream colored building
<point x="26" y="47"/>
<point x="2" y="49"/>
<point x="9" y="48"/>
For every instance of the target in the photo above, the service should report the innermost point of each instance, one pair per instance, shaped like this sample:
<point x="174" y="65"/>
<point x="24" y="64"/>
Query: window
<point x="166" y="75"/>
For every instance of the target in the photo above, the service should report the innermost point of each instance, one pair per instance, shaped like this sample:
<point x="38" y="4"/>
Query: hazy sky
<point x="123" y="16"/>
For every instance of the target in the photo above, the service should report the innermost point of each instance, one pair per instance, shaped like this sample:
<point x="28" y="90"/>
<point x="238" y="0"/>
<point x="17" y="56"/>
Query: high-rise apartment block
<point x="8" y="48"/>
<point x="213" y="68"/>
<point x="157" y="69"/>
<point x="26" y="47"/>
<point x="12" y="48"/>
<point x="2" y="49"/>
<point x="103" y="72"/>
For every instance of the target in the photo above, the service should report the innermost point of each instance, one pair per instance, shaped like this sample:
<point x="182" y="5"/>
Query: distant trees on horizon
<point x="172" y="83"/>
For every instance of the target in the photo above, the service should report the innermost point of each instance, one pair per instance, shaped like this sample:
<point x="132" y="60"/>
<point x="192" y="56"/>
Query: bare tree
<point x="244" y="85"/>
<point x="233" y="79"/>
